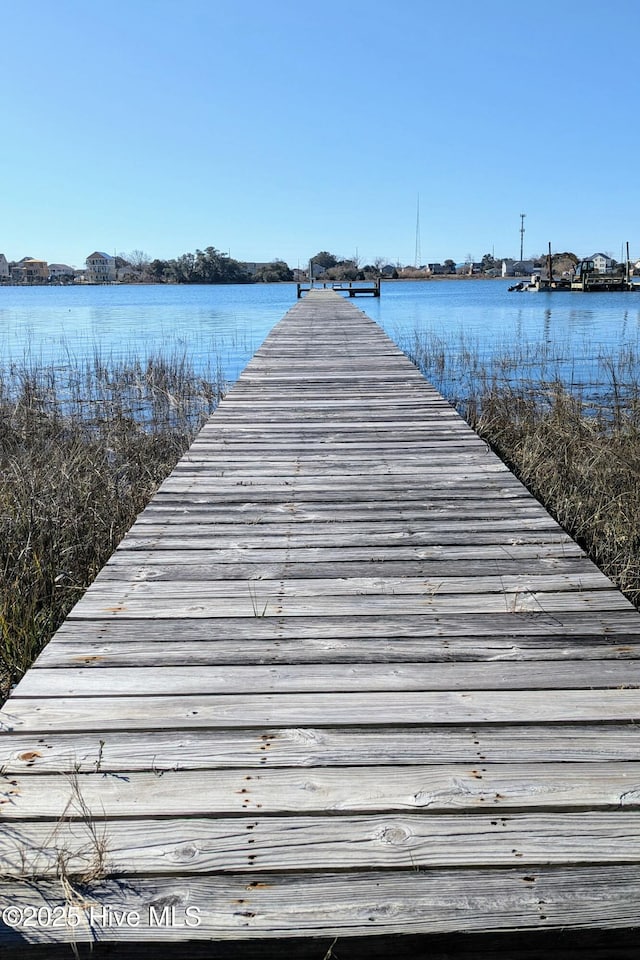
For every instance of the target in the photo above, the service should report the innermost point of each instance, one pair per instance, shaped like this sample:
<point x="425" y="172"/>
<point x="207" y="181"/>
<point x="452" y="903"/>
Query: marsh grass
<point x="567" y="423"/>
<point x="82" y="450"/>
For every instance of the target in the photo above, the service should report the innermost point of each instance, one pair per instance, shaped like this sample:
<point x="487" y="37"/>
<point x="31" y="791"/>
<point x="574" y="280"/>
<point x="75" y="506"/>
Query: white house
<point x="518" y="268"/>
<point x="601" y="262"/>
<point x="4" y="267"/>
<point x="507" y="267"/>
<point x="101" y="268"/>
<point x="60" y="270"/>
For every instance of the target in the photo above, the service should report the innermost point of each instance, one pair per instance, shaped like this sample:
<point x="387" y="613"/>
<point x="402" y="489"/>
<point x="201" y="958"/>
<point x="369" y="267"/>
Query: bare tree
<point x="139" y="259"/>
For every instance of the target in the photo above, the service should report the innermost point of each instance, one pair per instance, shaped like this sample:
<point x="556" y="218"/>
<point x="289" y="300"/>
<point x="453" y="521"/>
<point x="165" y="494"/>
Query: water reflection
<point x="209" y="324"/>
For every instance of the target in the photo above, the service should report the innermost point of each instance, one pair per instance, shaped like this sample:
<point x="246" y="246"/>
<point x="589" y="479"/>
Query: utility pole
<point x="522" y="216"/>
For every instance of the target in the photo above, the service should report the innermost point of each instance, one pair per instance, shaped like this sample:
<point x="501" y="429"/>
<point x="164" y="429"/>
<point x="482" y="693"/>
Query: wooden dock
<point x="355" y="288"/>
<point x="344" y="678"/>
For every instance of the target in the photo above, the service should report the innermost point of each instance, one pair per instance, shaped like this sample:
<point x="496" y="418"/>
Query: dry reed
<point x="82" y="451"/>
<point x="568" y="425"/>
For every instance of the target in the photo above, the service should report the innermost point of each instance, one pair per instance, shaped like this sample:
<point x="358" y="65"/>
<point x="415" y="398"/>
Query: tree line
<point x="213" y="266"/>
<point x="204" y="266"/>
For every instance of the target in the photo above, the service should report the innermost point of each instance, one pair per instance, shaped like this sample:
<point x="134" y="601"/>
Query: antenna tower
<point x="418" y="254"/>
<point x="522" y="216"/>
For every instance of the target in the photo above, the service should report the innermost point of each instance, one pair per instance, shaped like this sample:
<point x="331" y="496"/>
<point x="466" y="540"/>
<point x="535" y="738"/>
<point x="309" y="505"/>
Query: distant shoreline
<point x="223" y="283"/>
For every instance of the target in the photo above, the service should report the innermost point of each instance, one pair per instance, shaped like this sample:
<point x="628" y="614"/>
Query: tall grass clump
<point x="568" y="424"/>
<point x="584" y="468"/>
<point x="82" y="450"/>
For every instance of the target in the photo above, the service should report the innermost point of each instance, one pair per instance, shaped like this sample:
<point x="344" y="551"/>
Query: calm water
<point x="222" y="326"/>
<point x="209" y="324"/>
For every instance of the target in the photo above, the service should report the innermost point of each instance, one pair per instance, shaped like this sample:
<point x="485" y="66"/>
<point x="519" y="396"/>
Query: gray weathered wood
<point x="324" y="677"/>
<point x="479" y="787"/>
<point x="254" y="842"/>
<point x="244" y="907"/>
<point x="319" y="747"/>
<point x="164" y="712"/>
<point x="163" y="651"/>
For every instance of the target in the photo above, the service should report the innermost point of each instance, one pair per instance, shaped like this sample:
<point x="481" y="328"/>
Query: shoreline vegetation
<point x="83" y="450"/>
<point x="572" y="438"/>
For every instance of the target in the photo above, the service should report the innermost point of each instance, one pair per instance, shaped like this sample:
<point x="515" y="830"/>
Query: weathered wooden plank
<point x="346" y="529"/>
<point x="152" y="651"/>
<point x="168" y="567"/>
<point x="273" y="906"/>
<point x="297" y="513"/>
<point x="410" y="442"/>
<point x="263" y="603"/>
<point x="379" y="789"/>
<point x="249" y="844"/>
<point x="464" y="462"/>
<point x="618" y="627"/>
<point x="437" y="424"/>
<point x="369" y="479"/>
<point x="300" y="709"/>
<point x="426" y="400"/>
<point x="523" y="554"/>
<point x="327" y="677"/>
<point x="413" y="466"/>
<point x="439" y="436"/>
<point x="248" y="491"/>
<point x="588" y="580"/>
<point x="261" y="537"/>
<point x="352" y="443"/>
<point x="266" y="747"/>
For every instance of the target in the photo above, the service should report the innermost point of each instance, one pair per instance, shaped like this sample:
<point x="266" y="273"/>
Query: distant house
<point x="127" y="274"/>
<point x="29" y="270"/>
<point x="602" y="263"/>
<point x="467" y="269"/>
<point x="317" y="270"/>
<point x="518" y="268"/>
<point x="101" y="268"/>
<point x="435" y="268"/>
<point x="58" y="270"/>
<point x="252" y="267"/>
<point x="4" y="267"/>
<point x="36" y="271"/>
<point x="507" y="268"/>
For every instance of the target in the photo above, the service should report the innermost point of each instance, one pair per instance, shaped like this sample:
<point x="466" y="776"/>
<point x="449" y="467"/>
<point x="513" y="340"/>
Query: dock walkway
<point x="344" y="677"/>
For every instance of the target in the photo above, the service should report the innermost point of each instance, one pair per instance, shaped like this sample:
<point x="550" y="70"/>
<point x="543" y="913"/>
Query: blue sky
<point x="279" y="129"/>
